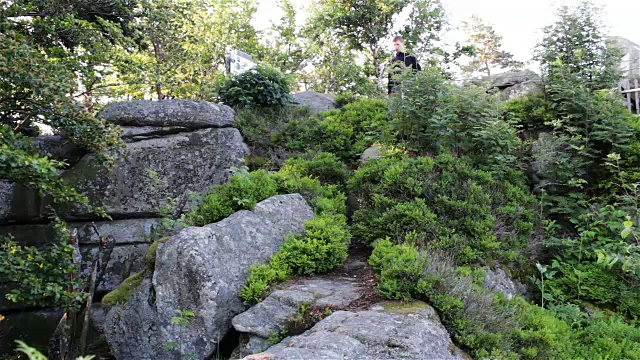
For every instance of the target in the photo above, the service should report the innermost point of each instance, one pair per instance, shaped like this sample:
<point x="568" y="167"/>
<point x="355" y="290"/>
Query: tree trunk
<point x="157" y="53"/>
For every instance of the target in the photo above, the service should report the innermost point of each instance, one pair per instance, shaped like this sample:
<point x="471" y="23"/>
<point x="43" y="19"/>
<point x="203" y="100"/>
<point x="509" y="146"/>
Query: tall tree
<point x="576" y="41"/>
<point x="367" y="26"/>
<point x="183" y="46"/>
<point x="329" y="73"/>
<point x="53" y="55"/>
<point x="283" y="45"/>
<point x="488" y="52"/>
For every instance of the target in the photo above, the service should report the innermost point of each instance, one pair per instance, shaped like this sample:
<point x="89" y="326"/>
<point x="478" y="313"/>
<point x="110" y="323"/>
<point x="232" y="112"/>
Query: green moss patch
<point x="122" y="293"/>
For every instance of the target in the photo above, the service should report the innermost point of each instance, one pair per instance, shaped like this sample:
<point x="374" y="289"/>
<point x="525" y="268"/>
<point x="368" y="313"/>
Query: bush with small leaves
<point x="263" y="86"/>
<point x="448" y="203"/>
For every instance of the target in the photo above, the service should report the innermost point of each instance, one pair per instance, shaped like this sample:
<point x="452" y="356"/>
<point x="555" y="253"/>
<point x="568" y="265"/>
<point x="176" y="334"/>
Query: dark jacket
<point x="397" y="62"/>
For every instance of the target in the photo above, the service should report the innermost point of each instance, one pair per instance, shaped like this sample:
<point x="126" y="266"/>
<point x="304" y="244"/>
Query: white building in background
<point x="630" y="63"/>
<point x="630" y="66"/>
<point x="238" y="62"/>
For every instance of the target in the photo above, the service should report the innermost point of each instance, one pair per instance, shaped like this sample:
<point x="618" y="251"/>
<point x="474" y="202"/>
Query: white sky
<point x="518" y="21"/>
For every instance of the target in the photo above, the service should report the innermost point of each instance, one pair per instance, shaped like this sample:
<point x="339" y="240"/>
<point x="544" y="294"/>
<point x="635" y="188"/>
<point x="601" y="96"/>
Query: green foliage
<point x="33" y="354"/>
<point x="487" y="48"/>
<point x="180" y="48"/>
<point x="20" y="163"/>
<point x="41" y="277"/>
<point x="333" y="74"/>
<point x="364" y="25"/>
<point x="181" y="320"/>
<point x="431" y="116"/>
<point x="487" y="325"/>
<point x="600" y="265"/>
<point x="576" y="43"/>
<point x="346" y="132"/>
<point x="349" y="131"/>
<point x="244" y="191"/>
<point x="443" y="202"/>
<point x="321" y="248"/>
<point x="400" y="268"/>
<point x="122" y="293"/>
<point x="260" y="87"/>
<point x="324" y="166"/>
<point x="324" y="243"/>
<point x="284" y="46"/>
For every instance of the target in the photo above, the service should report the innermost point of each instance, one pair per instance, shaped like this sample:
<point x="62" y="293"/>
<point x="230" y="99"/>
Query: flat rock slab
<point x="201" y="269"/>
<point x="192" y="114"/>
<point x="124" y="232"/>
<point x="273" y="316"/>
<point x="369" y="335"/>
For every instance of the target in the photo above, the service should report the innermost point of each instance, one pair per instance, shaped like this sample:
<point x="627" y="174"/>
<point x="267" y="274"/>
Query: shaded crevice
<point x="164" y="132"/>
<point x="227" y="344"/>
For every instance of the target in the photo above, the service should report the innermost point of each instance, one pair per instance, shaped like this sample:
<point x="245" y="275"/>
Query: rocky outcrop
<point x="191" y="114"/>
<point x="396" y="332"/>
<point x="152" y="172"/>
<point x="513" y="84"/>
<point x="371" y="153"/>
<point x="316" y="102"/>
<point x="276" y="314"/>
<point x="201" y="269"/>
<point x="173" y="149"/>
<point x="498" y="280"/>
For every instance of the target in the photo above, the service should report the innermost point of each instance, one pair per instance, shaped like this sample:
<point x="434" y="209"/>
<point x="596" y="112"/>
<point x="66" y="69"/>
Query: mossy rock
<point x="150" y="256"/>
<point x="401" y="307"/>
<point x="122" y="293"/>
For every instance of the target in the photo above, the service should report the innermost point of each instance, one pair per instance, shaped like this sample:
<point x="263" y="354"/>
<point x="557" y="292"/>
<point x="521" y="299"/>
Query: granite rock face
<point x="201" y="269"/>
<point x="370" y="335"/>
<point x="173" y="149"/>
<point x="316" y="102"/>
<point x="273" y="316"/>
<point x="153" y="171"/>
<point x="192" y="114"/>
<point x="498" y="280"/>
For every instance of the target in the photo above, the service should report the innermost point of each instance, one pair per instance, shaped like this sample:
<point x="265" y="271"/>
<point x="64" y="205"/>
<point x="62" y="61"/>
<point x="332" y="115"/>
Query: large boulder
<point x="512" y="84"/>
<point x="372" y="152"/>
<point x="415" y="334"/>
<point x="275" y="315"/>
<point x="174" y="148"/>
<point x="201" y="269"/>
<point x="154" y="171"/>
<point x="192" y="114"/>
<point x="316" y="102"/>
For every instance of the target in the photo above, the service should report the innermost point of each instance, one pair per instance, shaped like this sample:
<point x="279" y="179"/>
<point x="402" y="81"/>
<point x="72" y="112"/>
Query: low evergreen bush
<point x="261" y="87"/>
<point x="444" y="202"/>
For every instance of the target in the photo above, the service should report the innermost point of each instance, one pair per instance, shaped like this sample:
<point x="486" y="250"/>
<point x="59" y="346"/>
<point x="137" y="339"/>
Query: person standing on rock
<point x="400" y="61"/>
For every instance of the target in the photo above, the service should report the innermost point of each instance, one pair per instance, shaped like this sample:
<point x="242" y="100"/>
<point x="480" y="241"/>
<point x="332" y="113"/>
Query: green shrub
<point x="260" y="87"/>
<point x="599" y="265"/>
<point x="322" y="247"/>
<point x="349" y="131"/>
<point x="275" y="135"/>
<point x="447" y="203"/>
<point x="243" y="191"/>
<point x="434" y="117"/>
<point x="325" y="241"/>
<point x="489" y="326"/>
<point x="345" y="98"/>
<point x="400" y="268"/>
<point x="40" y="276"/>
<point x="325" y="167"/>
